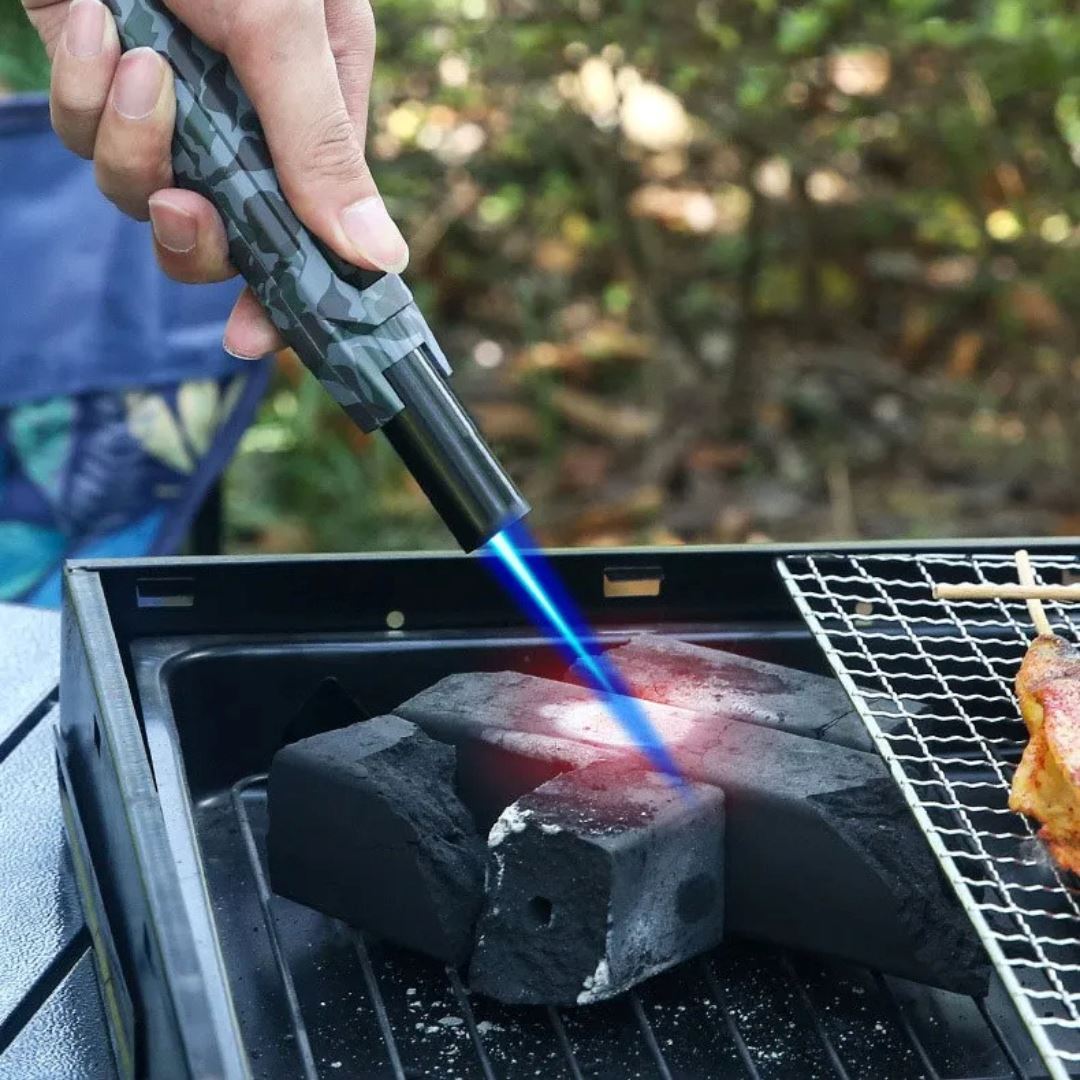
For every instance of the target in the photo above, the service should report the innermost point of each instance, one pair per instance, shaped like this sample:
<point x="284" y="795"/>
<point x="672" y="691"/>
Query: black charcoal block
<point x="365" y="826"/>
<point x="598" y="879"/>
<point x="821" y="851"/>
<point x="714" y="682"/>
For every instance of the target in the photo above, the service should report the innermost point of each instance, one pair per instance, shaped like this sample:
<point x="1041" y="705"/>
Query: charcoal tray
<point x="216" y="976"/>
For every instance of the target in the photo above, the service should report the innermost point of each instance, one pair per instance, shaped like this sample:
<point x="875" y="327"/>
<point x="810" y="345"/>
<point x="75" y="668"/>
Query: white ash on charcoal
<point x="718" y="683"/>
<point x="821" y="852"/>
<point x="596" y="880"/>
<point x="365" y="826"/>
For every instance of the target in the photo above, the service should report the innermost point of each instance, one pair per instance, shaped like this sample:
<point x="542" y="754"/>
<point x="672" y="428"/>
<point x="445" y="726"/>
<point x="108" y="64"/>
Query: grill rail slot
<point x="947" y="668"/>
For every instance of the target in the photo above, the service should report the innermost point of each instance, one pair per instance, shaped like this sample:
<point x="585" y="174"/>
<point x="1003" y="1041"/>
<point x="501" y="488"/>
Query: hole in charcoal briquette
<point x="539" y="910"/>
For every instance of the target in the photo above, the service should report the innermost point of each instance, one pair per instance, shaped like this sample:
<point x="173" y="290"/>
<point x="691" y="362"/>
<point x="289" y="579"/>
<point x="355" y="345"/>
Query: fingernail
<point x="84" y="35"/>
<point x="174" y="229"/>
<point x="373" y="234"/>
<point x="138" y="83"/>
<point x="236" y="354"/>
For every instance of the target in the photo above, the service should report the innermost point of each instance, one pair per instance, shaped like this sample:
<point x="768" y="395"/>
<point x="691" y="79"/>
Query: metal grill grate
<point x="332" y="1002"/>
<point x="933" y="682"/>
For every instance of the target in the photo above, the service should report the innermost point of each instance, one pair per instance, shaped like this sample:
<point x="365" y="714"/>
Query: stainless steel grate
<point x="933" y="681"/>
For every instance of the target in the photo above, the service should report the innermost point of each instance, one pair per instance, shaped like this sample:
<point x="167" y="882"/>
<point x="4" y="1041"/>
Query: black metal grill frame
<point x="157" y="913"/>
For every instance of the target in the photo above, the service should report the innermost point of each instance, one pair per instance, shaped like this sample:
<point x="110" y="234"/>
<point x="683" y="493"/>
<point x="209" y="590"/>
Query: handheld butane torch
<point x="359" y="332"/>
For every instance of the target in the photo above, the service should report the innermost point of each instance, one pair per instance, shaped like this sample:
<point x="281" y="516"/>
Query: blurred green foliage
<point x="23" y="65"/>
<point x="735" y="269"/>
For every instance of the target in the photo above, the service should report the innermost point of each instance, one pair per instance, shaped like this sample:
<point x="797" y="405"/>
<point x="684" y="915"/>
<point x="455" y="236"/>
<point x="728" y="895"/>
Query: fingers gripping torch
<point x="359" y="332"/>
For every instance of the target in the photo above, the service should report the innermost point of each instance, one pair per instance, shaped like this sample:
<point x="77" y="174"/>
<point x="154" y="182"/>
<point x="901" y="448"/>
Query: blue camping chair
<point x="118" y="406"/>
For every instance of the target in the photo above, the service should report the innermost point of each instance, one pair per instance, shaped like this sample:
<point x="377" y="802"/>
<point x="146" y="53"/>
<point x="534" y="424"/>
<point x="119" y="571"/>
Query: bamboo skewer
<point x="1027" y="590"/>
<point x="1007" y="592"/>
<point x="1035" y="608"/>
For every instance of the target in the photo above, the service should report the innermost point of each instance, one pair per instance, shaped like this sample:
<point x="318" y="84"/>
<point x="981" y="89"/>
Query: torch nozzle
<point x="445" y="452"/>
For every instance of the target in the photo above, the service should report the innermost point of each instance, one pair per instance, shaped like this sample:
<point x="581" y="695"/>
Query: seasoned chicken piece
<point x="1047" y="783"/>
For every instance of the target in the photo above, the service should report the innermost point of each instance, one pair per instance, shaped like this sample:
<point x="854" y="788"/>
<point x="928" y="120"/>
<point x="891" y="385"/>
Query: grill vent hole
<point x="540" y="911"/>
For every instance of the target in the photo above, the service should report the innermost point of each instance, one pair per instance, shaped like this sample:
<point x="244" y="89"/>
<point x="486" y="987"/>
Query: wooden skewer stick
<point x="1035" y="608"/>
<point x="975" y="591"/>
<point x="1026" y="590"/>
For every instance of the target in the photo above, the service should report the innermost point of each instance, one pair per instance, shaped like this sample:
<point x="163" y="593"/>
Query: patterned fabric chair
<point x="118" y="406"/>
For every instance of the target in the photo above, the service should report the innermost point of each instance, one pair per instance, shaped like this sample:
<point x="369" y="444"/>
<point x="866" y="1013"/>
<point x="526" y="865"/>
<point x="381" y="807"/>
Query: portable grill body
<point x="180" y="680"/>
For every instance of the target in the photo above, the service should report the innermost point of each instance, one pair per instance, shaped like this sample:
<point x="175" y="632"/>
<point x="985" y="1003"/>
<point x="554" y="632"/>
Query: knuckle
<point x="139" y="160"/>
<point x="334" y="151"/>
<point x="354" y="70"/>
<point x="74" y="128"/>
<point x="75" y="114"/>
<point x="354" y="59"/>
<point x="67" y="104"/>
<point x="353" y="55"/>
<point x="133" y="174"/>
<point x="127" y="187"/>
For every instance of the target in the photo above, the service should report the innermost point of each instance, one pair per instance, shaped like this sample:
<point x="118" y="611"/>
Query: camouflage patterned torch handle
<point x="347" y="325"/>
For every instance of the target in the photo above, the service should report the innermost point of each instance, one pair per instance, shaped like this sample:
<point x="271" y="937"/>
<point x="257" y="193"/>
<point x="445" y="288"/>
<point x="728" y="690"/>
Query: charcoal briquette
<point x="598" y="879"/>
<point x="365" y="826"/>
<point x="822" y="853"/>
<point x="714" y="682"/>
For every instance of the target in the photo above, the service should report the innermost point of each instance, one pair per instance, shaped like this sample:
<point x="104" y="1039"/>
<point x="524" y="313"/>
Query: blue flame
<point x="554" y="606"/>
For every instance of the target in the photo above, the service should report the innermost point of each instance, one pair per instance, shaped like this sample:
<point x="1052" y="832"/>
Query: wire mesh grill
<point x="933" y="681"/>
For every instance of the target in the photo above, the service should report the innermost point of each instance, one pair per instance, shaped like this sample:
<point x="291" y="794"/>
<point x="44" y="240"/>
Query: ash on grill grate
<point x="735" y="1015"/>
<point x="892" y="644"/>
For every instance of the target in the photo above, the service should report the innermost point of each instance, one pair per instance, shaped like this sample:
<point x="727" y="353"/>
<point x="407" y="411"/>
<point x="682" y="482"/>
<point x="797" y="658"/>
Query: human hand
<point x="305" y="64"/>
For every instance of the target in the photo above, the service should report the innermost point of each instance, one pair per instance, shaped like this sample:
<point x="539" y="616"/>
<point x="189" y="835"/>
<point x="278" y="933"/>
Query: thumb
<point x="281" y="53"/>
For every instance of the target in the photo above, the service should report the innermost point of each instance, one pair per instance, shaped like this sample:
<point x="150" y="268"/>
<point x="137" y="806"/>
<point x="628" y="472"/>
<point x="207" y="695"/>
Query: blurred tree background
<point x="720" y="270"/>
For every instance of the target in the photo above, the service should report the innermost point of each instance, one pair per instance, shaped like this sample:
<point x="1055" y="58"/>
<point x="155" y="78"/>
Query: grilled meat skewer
<point x="1047" y="783"/>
